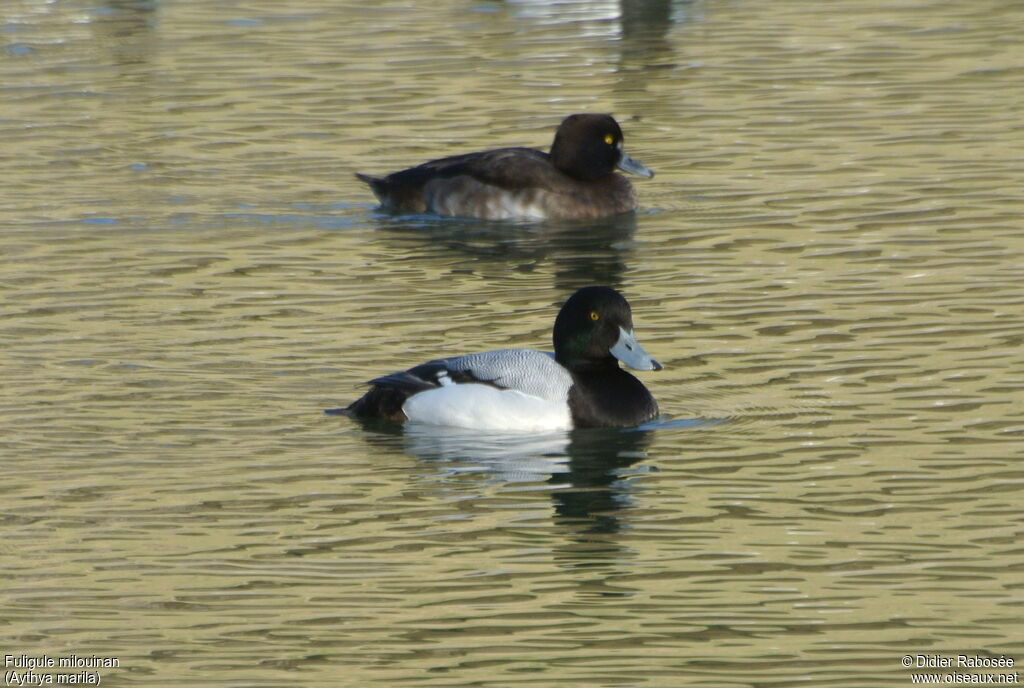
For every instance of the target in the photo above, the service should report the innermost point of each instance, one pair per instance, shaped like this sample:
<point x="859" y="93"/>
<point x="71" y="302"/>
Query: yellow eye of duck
<point x="609" y="139"/>
<point x="594" y="315"/>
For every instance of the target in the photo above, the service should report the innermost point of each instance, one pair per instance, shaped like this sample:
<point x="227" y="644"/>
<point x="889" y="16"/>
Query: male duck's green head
<point x="594" y="328"/>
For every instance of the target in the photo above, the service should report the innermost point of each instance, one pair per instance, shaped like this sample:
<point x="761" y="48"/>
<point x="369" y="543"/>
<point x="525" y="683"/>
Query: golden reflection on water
<point x="828" y="263"/>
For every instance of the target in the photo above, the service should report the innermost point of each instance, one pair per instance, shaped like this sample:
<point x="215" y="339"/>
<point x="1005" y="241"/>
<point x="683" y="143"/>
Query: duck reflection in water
<point x="596" y="484"/>
<point x="587" y="471"/>
<point x="576" y="252"/>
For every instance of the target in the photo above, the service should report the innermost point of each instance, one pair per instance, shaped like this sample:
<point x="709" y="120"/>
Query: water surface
<point x="828" y="263"/>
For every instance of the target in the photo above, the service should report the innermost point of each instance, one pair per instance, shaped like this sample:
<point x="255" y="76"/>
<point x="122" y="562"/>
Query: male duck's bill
<point x="575" y="180"/>
<point x="579" y="385"/>
<point x="628" y="350"/>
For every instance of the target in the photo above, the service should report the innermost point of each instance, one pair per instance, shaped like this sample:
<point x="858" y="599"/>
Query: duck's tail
<point x="378" y="185"/>
<point x="378" y="402"/>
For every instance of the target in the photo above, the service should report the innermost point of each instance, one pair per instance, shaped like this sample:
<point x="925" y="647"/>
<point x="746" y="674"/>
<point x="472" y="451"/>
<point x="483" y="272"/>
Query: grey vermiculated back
<point x="527" y="370"/>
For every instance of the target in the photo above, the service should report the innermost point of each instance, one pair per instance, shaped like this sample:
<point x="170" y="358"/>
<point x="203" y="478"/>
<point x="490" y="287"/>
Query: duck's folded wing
<point x="514" y="169"/>
<point x="531" y="372"/>
<point x="507" y="168"/>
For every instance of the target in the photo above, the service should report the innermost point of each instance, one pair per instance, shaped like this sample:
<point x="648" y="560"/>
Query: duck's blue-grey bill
<point x="628" y="350"/>
<point x="633" y="166"/>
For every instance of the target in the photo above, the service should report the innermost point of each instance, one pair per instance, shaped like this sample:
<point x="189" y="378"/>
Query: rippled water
<point x="829" y="262"/>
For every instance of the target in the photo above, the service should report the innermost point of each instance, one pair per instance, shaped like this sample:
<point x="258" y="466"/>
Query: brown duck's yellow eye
<point x="609" y="139"/>
<point x="594" y="315"/>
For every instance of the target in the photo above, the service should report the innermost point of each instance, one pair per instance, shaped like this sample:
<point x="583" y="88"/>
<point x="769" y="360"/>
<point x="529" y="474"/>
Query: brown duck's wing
<point x="513" y="169"/>
<point x="508" y="168"/>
